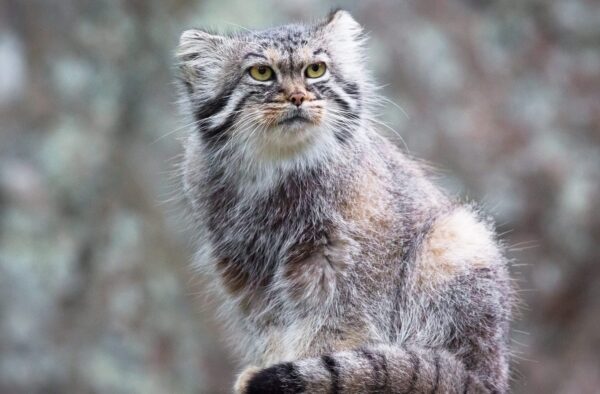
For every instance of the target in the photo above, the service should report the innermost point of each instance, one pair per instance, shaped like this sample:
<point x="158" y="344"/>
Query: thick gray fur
<point x="338" y="265"/>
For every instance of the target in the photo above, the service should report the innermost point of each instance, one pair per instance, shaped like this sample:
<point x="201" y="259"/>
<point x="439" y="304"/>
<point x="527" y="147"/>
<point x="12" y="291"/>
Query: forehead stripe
<point x="253" y="54"/>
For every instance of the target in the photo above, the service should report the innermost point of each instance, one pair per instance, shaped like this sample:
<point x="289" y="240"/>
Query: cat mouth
<point x="294" y="119"/>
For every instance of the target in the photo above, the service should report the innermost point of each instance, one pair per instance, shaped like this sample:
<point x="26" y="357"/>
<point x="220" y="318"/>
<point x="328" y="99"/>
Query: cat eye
<point x="315" y="70"/>
<point x="261" y="73"/>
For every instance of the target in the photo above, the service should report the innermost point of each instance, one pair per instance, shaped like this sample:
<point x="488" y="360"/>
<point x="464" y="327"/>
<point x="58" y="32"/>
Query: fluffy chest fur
<point x="320" y="253"/>
<point x="306" y="230"/>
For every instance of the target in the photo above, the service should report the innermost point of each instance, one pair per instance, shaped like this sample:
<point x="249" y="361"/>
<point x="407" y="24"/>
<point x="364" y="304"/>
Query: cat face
<point x="277" y="90"/>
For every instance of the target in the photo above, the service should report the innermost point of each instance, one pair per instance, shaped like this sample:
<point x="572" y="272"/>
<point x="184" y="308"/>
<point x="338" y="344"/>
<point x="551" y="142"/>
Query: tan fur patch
<point x="312" y="269"/>
<point x="271" y="116"/>
<point x="233" y="277"/>
<point x="456" y="244"/>
<point x="272" y="55"/>
<point x="237" y="283"/>
<point x="366" y="206"/>
<point x="274" y="349"/>
<point x="291" y="85"/>
<point x="351" y="339"/>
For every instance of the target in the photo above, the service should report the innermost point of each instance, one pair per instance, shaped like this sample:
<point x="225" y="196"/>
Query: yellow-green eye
<point x="261" y="73"/>
<point x="316" y="70"/>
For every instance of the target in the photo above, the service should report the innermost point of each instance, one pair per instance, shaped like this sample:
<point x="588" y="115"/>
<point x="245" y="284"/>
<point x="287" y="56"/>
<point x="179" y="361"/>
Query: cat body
<point x="339" y="267"/>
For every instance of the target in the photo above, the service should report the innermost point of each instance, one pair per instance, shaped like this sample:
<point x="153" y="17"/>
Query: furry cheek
<point x="317" y="114"/>
<point x="270" y="117"/>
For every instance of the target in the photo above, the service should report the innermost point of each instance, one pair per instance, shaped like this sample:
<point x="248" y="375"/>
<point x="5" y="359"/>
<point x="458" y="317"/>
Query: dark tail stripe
<point x="467" y="383"/>
<point x="386" y="374"/>
<point x="380" y="373"/>
<point x="376" y="370"/>
<point x="284" y="375"/>
<point x="436" y="380"/>
<point x="294" y="382"/>
<point x="416" y="367"/>
<point x="332" y="366"/>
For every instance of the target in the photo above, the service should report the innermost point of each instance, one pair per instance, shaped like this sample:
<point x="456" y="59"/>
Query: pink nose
<point x="297" y="98"/>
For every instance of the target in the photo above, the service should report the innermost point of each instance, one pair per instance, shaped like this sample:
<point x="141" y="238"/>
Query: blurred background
<point x="96" y="295"/>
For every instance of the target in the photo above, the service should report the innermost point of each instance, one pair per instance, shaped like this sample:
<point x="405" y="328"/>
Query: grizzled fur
<point x="340" y="267"/>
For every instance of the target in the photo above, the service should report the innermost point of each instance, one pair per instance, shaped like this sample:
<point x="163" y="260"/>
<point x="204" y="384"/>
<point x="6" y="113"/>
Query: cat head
<point x="276" y="92"/>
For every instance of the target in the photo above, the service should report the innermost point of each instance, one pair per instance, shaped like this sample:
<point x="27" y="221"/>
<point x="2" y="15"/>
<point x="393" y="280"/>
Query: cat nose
<point x="297" y="98"/>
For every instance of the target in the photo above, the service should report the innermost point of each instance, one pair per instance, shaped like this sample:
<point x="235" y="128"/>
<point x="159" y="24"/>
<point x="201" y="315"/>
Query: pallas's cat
<point x="338" y="265"/>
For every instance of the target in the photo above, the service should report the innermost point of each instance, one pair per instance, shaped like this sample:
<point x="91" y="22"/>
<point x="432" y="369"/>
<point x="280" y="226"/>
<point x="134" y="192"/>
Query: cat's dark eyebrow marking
<point x="320" y="50"/>
<point x="252" y="54"/>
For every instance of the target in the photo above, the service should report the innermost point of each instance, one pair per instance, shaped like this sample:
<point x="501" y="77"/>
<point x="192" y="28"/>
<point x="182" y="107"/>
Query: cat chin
<point x="291" y="133"/>
<point x="289" y="140"/>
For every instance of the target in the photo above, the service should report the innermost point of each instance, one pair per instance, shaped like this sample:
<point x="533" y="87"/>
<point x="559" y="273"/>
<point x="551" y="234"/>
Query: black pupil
<point x="262" y="70"/>
<point x="315" y="67"/>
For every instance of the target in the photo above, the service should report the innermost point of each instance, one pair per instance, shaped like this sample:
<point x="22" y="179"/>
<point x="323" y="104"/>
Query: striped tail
<point x="378" y="369"/>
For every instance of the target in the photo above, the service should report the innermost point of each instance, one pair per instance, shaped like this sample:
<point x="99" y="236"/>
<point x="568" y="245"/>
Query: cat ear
<point x="195" y="37"/>
<point x="199" y="57"/>
<point x="194" y="44"/>
<point x="345" y="42"/>
<point x="342" y="24"/>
